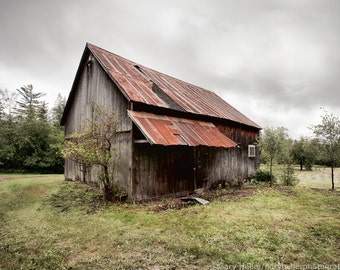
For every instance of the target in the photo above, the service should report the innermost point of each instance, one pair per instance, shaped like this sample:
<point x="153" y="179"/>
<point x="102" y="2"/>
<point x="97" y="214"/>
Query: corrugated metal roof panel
<point x="138" y="91"/>
<point x="166" y="130"/>
<point x="137" y="81"/>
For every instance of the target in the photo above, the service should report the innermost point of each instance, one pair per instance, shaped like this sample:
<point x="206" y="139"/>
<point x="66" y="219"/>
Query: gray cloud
<point x="273" y="60"/>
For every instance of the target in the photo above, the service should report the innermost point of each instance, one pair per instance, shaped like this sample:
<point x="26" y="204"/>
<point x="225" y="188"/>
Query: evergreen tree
<point x="42" y="112"/>
<point x="29" y="103"/>
<point x="33" y="129"/>
<point x="57" y="111"/>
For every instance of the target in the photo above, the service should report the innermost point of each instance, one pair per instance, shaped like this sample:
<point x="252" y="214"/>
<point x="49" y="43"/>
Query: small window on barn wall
<point x="251" y="150"/>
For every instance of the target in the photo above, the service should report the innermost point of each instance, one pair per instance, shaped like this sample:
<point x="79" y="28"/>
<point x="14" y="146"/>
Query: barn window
<point x="251" y="150"/>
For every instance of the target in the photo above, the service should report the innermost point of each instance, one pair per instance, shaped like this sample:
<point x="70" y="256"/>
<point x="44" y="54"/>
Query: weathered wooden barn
<point x="173" y="137"/>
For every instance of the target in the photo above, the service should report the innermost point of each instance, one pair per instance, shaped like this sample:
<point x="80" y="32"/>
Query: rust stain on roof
<point x="139" y="83"/>
<point x="166" y="130"/>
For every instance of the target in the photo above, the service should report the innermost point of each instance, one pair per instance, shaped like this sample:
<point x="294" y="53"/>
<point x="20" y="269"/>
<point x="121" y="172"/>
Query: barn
<point x="172" y="138"/>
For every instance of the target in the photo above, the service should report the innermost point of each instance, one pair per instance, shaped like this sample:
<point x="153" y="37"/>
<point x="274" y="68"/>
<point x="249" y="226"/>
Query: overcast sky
<point x="277" y="61"/>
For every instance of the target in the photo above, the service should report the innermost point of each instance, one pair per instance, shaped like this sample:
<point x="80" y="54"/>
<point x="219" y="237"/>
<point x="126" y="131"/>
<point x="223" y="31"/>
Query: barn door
<point x="201" y="164"/>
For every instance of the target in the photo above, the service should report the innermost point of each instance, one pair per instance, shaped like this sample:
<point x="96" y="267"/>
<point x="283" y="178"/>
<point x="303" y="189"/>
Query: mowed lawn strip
<point x="47" y="223"/>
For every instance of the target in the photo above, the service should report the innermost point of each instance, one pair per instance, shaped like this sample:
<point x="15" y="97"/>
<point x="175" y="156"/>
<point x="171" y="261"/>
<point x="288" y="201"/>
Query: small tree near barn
<point x="288" y="177"/>
<point x="272" y="142"/>
<point x="93" y="145"/>
<point x="328" y="135"/>
<point x="79" y="147"/>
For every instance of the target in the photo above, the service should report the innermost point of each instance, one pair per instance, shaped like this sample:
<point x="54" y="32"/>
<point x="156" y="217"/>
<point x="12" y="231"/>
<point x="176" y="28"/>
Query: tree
<point x="42" y="112"/>
<point x="80" y="148"/>
<point x="34" y="129"/>
<point x="57" y="135"/>
<point x="288" y="177"/>
<point x="28" y="140"/>
<point x="305" y="152"/>
<point x="272" y="141"/>
<point x="9" y="138"/>
<point x="57" y="111"/>
<point x="29" y="104"/>
<point x="33" y="145"/>
<point x="93" y="145"/>
<point x="328" y="135"/>
<point x="7" y="104"/>
<point x="8" y="131"/>
<point x="2" y="108"/>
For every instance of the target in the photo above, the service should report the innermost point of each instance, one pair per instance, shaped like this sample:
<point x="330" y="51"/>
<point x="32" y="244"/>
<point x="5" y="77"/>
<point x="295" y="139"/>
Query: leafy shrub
<point x="308" y="165"/>
<point x="263" y="176"/>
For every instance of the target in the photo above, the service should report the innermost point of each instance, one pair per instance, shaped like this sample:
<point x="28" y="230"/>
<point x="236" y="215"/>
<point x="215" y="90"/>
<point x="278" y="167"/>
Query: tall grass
<point x="47" y="223"/>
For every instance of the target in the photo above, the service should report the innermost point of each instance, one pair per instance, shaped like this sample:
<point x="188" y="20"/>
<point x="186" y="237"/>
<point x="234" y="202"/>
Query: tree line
<point x="31" y="137"/>
<point x="322" y="149"/>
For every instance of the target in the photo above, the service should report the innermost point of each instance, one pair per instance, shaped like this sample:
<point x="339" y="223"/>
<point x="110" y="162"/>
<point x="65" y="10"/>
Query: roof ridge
<point x="89" y="45"/>
<point x="154" y="70"/>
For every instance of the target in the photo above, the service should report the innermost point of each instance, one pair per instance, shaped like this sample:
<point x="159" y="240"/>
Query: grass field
<point x="46" y="223"/>
<point x="320" y="177"/>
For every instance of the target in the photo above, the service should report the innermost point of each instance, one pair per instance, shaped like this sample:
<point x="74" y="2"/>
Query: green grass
<point x="46" y="223"/>
<point x="319" y="177"/>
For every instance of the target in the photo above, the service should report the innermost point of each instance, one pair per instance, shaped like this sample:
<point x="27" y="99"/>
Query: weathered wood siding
<point x="162" y="170"/>
<point x="230" y="164"/>
<point x="94" y="85"/>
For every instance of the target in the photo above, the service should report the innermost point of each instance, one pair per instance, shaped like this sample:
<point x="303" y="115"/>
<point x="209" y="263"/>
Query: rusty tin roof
<point x="167" y="130"/>
<point x="141" y="84"/>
